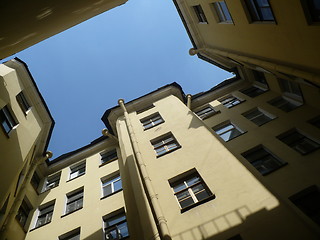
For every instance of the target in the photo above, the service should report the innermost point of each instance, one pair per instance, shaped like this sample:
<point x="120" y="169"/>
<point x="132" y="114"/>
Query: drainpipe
<point x="189" y="100"/>
<point x="265" y="64"/>
<point x="106" y="133"/>
<point x="154" y="203"/>
<point x="22" y="192"/>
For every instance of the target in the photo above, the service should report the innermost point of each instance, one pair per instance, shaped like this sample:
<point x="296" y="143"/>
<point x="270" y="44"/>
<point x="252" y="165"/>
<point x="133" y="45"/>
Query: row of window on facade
<point x="114" y="224"/>
<point x="76" y="170"/>
<point x="8" y="118"/>
<point x="259" y="11"/>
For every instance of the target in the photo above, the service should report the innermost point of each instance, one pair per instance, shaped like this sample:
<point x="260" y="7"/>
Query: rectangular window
<point x="257" y="116"/>
<point x="299" y="142"/>
<point x="21" y="99"/>
<point x="109" y="156"/>
<point x="315" y="122"/>
<point x="308" y="201"/>
<point x="253" y="91"/>
<point x="191" y="190"/>
<point x="227" y="131"/>
<point x="116" y="227"/>
<point x="264" y="161"/>
<point x="165" y="144"/>
<point x="72" y="235"/>
<point x="291" y="89"/>
<point x="23" y="213"/>
<point x="45" y="215"/>
<point x="285" y="104"/>
<point x="230" y="101"/>
<point x="151" y="121"/>
<point x="200" y="14"/>
<point x="206" y="112"/>
<point x="7" y="120"/>
<point x="35" y="181"/>
<point x="111" y="185"/>
<point x="222" y="12"/>
<point x="52" y="181"/>
<point x="260" y="10"/>
<point x="260" y="78"/>
<point x="312" y="10"/>
<point x="78" y="170"/>
<point x="74" y="201"/>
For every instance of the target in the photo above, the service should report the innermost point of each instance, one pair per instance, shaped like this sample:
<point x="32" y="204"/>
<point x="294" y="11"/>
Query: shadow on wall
<point x="11" y="160"/>
<point x="264" y="224"/>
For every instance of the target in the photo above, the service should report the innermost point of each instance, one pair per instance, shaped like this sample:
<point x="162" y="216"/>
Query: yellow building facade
<point x="26" y="126"/>
<point x="269" y="34"/>
<point x="239" y="161"/>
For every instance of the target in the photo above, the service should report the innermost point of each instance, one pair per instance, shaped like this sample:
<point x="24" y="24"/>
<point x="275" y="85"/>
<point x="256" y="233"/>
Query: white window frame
<point x="225" y="126"/>
<point x="167" y="142"/>
<point x="230" y="101"/>
<point x="110" y="181"/>
<point x="75" y="170"/>
<point x="53" y="184"/>
<point x="48" y="215"/>
<point x="151" y="121"/>
<point x="78" y="202"/>
<point x="206" y="112"/>
<point x="183" y="180"/>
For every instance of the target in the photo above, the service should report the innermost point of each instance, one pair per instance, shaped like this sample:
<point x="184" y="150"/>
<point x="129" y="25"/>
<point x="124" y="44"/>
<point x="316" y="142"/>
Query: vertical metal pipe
<point x="189" y="101"/>
<point x="152" y="196"/>
<point x="21" y="194"/>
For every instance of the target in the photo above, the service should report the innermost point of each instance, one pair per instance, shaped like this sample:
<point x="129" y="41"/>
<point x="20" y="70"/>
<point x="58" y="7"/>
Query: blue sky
<point x="125" y="52"/>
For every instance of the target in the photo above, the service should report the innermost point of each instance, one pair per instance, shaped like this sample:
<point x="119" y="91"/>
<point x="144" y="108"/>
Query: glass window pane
<point x="117" y="185"/>
<point x="186" y="202"/>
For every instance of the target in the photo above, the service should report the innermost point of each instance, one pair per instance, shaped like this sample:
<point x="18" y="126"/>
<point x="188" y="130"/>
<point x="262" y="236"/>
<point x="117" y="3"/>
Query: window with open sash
<point x="190" y="190"/>
<point x="116" y="227"/>
<point x="227" y="131"/>
<point x="74" y="201"/>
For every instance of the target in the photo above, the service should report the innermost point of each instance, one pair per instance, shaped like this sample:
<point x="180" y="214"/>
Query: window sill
<point x="178" y="147"/>
<point x="107" y="162"/>
<point x="40" y="226"/>
<point x="111" y="194"/>
<point x="71" y="212"/>
<point x="273" y="170"/>
<point x="75" y="177"/>
<point x="198" y="203"/>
